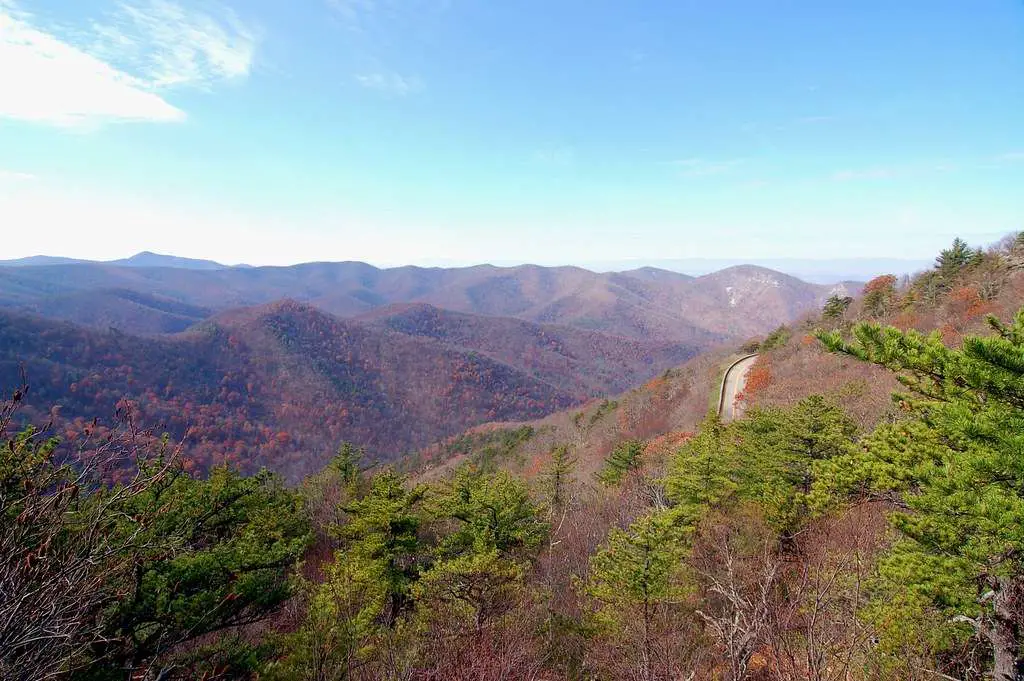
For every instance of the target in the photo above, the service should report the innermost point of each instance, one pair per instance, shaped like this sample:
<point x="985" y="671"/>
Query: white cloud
<point x="1011" y="157"/>
<point x="45" y="80"/>
<point x="389" y="82"/>
<point x="15" y="176"/>
<point x="168" y="45"/>
<point x="385" y="39"/>
<point x="115" y="71"/>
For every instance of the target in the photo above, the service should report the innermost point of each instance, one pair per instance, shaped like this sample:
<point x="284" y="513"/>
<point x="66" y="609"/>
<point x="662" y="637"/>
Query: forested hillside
<point x="277" y="386"/>
<point x="832" y="532"/>
<point x="581" y="362"/>
<point x="281" y="385"/>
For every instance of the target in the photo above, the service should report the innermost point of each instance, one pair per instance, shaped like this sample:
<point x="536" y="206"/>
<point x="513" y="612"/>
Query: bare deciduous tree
<point x="63" y="550"/>
<point x="739" y="568"/>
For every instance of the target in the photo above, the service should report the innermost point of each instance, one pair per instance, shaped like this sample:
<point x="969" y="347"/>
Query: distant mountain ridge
<point x="647" y="304"/>
<point x="143" y="259"/>
<point x="814" y="270"/>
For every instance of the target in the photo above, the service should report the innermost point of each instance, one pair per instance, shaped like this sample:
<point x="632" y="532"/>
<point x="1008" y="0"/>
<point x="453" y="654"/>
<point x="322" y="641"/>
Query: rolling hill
<point x="278" y="386"/>
<point x="275" y="366"/>
<point x="281" y="385"/>
<point x="579" y="361"/>
<point x="647" y="304"/>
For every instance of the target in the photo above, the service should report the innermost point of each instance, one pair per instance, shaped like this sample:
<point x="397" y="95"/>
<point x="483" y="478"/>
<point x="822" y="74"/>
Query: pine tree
<point x="779" y="450"/>
<point x="957" y="467"/>
<point x="488" y="511"/>
<point x="492" y="532"/>
<point x="636" y="576"/>
<point x="953" y="260"/>
<point x="627" y="456"/>
<point x="383" y="532"/>
<point x="346" y="463"/>
<point x="702" y="474"/>
<point x="836" y="306"/>
<point x="556" y="478"/>
<point x="342" y="621"/>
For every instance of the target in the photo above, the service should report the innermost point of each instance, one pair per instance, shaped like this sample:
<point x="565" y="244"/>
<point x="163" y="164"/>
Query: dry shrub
<point x="817" y="634"/>
<point x="508" y="650"/>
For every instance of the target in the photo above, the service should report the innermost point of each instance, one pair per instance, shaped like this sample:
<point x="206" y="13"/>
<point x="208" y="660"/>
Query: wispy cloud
<point x="169" y="45"/>
<point x="16" y="176"/>
<point x="59" y="84"/>
<point x="390" y="83"/>
<point x="699" y="167"/>
<point x="362" y="13"/>
<point x="116" y="70"/>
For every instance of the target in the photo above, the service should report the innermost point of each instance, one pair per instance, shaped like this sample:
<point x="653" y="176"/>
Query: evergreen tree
<point x="492" y="531"/>
<point x="105" y="580"/>
<point x="635" y="578"/>
<point x="343" y="618"/>
<point x="215" y="553"/>
<point x="779" y="450"/>
<point x="777" y="338"/>
<point x="488" y="511"/>
<point x="627" y="456"/>
<point x="958" y="257"/>
<point x="383" y="534"/>
<point x="346" y="463"/>
<point x="702" y="474"/>
<point x="836" y="306"/>
<point x="556" y="478"/>
<point x="957" y="468"/>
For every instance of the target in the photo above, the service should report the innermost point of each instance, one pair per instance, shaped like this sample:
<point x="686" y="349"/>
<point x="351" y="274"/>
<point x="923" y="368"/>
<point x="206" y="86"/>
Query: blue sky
<point x="549" y="131"/>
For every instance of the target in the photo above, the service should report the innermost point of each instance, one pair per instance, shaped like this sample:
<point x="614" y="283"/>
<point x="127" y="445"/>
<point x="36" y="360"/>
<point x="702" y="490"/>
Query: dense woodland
<point x="832" y="533"/>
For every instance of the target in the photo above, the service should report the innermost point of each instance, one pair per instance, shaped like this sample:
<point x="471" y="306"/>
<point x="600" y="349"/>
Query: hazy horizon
<point x="816" y="270"/>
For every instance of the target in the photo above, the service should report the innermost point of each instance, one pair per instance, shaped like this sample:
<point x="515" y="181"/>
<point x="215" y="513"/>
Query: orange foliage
<point x="758" y="378"/>
<point x="666" y="442"/>
<point x="906" y="320"/>
<point x="965" y="304"/>
<point x="882" y="284"/>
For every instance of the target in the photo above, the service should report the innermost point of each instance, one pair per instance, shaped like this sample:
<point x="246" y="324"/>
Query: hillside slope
<point x="277" y="386"/>
<point x="579" y="361"/>
<point x="792" y="365"/>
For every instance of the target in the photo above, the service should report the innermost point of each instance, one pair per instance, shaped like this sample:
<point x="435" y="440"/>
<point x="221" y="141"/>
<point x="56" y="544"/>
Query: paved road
<point x="732" y="385"/>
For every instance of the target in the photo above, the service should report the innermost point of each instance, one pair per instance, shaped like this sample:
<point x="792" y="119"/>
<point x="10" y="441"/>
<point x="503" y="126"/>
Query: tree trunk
<point x="1003" y="631"/>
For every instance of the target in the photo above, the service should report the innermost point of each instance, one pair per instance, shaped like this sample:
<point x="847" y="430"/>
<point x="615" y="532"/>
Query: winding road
<point x="732" y="385"/>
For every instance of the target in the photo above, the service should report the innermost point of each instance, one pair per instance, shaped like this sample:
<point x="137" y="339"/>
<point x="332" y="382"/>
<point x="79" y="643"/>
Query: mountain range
<point x="274" y="366"/>
<point x="645" y="303"/>
<point x="815" y="270"/>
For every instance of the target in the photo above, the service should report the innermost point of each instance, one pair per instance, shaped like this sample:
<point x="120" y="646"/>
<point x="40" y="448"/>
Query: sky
<point x="547" y="131"/>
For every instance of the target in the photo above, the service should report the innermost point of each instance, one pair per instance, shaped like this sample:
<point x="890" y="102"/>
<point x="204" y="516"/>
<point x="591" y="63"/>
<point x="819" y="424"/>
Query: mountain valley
<point x="269" y="366"/>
